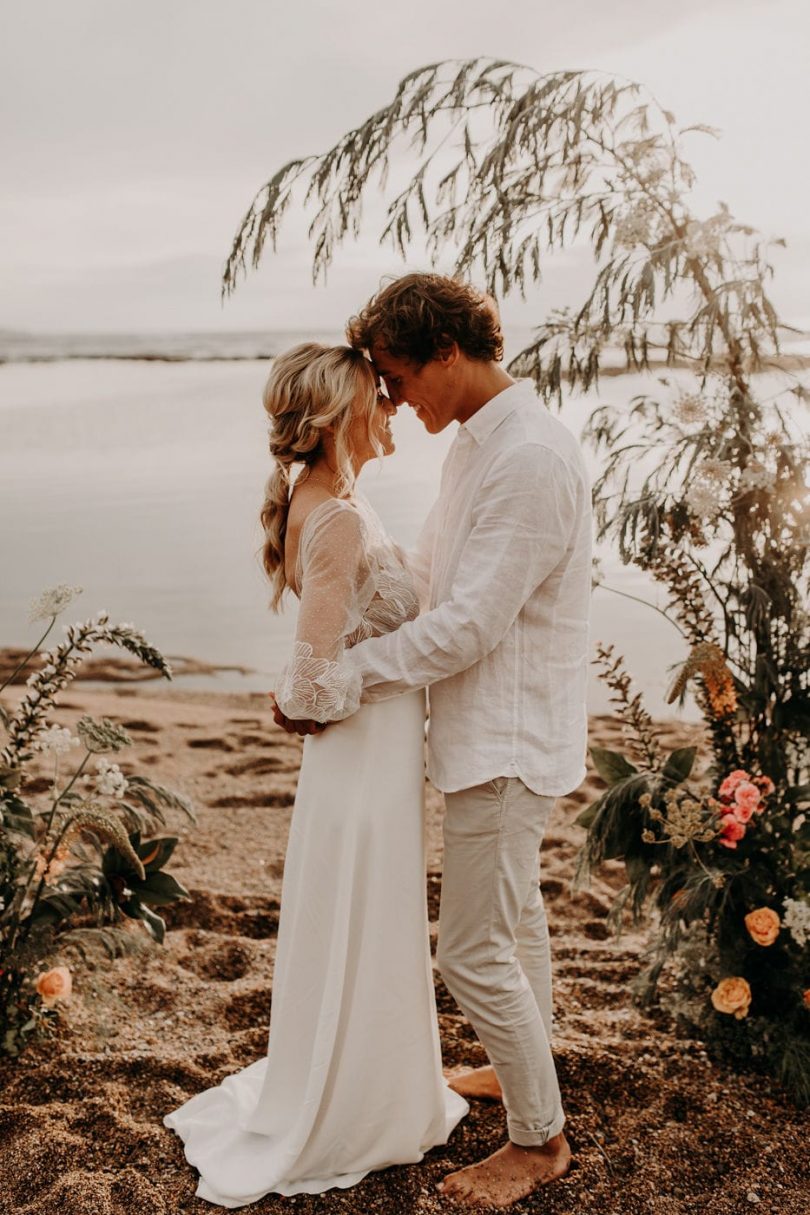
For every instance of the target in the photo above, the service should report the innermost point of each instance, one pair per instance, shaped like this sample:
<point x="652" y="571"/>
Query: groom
<point x="503" y="569"/>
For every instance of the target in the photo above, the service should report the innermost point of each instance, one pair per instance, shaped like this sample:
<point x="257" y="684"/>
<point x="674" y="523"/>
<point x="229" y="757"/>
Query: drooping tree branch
<point x="512" y="166"/>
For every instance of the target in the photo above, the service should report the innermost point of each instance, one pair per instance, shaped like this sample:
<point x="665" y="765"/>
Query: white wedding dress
<point x="352" y="1080"/>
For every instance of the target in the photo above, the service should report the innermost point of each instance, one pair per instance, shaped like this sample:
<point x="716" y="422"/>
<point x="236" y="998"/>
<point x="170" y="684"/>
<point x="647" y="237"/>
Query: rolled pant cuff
<point x="525" y="1137"/>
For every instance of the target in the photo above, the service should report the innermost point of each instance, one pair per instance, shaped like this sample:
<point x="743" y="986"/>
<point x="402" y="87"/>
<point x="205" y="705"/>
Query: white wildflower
<point x="53" y="601"/>
<point x="702" y="500"/>
<point x="110" y="780"/>
<point x="756" y="476"/>
<point x="690" y="408"/>
<point x="713" y="469"/>
<point x="797" y="920"/>
<point x="57" y="739"/>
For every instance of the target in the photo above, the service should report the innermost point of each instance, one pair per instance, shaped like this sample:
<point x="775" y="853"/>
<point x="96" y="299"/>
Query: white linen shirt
<point x="504" y="567"/>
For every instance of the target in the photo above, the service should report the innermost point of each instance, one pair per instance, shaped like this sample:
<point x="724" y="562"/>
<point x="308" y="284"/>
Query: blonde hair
<point x="310" y="387"/>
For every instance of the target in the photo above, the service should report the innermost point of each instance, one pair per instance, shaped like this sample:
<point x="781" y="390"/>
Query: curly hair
<point x="310" y="387"/>
<point x="419" y="315"/>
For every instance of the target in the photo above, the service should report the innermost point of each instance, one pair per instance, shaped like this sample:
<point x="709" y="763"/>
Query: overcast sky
<point x="136" y="132"/>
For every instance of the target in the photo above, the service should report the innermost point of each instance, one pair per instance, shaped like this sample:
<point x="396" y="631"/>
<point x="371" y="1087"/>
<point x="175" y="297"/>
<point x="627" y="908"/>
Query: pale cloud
<point x="137" y="133"/>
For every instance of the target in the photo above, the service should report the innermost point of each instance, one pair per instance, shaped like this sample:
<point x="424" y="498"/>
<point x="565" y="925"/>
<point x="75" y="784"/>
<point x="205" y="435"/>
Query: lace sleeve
<point x="336" y="585"/>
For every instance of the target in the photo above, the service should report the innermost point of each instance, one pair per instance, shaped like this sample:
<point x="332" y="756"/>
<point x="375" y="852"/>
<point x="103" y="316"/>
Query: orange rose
<point x="806" y="998"/>
<point x="54" y="985"/>
<point x="732" y="996"/>
<point x="763" y="925"/>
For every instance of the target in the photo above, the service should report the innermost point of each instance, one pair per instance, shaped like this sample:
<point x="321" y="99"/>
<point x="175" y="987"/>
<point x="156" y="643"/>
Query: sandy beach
<point x="655" y="1126"/>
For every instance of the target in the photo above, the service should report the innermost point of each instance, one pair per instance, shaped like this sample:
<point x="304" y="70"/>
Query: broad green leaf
<point x="611" y="765"/>
<point x="679" y="765"/>
<point x="586" y="816"/>
<point x="159" y="889"/>
<point x="155" y="853"/>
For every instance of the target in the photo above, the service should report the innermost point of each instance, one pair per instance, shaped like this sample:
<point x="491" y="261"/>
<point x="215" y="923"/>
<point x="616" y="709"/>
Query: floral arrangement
<point x="725" y="860"/>
<point x="75" y="866"/>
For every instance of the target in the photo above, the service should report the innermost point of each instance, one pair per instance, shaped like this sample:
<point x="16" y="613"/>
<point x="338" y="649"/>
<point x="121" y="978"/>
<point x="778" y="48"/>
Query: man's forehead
<point x="384" y="362"/>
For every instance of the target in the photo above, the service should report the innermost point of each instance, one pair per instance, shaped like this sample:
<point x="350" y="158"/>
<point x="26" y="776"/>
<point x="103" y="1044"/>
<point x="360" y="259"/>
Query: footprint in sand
<point x="210" y="744"/>
<point x="261" y="765"/>
<point x="246" y="1009"/>
<point x="223" y="962"/>
<point x="273" y="801"/>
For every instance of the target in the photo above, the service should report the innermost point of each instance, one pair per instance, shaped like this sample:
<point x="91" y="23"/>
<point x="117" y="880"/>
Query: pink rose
<point x="765" y="786"/>
<point x="731" y="831"/>
<point x="742" y="812"/>
<point x="731" y="782"/>
<point x="746" y="798"/>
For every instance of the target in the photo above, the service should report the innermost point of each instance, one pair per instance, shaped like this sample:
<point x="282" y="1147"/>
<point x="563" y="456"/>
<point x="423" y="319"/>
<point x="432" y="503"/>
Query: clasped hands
<point x="295" y="727"/>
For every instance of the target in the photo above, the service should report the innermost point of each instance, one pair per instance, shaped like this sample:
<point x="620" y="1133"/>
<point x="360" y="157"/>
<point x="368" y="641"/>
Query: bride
<point x="352" y="1079"/>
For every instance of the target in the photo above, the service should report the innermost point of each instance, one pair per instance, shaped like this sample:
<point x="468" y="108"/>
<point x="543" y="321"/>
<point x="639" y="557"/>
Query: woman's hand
<point x="295" y="727"/>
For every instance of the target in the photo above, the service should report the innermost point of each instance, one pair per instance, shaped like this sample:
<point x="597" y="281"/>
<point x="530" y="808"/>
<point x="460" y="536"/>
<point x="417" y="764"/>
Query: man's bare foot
<point x="476" y="1083"/>
<point x="508" y="1174"/>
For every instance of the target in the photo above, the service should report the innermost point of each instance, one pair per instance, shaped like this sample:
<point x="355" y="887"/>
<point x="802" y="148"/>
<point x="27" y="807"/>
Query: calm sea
<point x="133" y="465"/>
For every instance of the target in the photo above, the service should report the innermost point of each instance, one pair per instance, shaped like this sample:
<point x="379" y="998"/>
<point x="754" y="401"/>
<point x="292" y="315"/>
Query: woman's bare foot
<point x="476" y="1083"/>
<point x="508" y="1174"/>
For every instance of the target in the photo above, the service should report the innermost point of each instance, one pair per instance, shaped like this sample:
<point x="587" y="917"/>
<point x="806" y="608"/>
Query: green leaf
<point x="611" y="765"/>
<point x="155" y="853"/>
<point x="16" y="816"/>
<point x="51" y="908"/>
<point x="679" y="765"/>
<point x="159" y="889"/>
<point x="617" y="824"/>
<point x="586" y="817"/>
<point x="155" y="923"/>
<point x="136" y="910"/>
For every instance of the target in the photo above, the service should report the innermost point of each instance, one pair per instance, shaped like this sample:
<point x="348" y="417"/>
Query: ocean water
<point x="135" y="466"/>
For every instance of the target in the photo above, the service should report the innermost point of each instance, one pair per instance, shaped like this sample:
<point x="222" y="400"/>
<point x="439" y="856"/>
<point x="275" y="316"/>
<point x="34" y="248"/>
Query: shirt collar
<point x="489" y="417"/>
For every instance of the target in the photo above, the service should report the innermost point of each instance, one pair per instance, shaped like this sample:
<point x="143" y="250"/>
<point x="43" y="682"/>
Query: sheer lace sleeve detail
<point x="336" y="584"/>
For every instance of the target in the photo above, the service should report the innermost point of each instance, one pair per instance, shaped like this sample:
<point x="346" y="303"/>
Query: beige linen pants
<point x="493" y="948"/>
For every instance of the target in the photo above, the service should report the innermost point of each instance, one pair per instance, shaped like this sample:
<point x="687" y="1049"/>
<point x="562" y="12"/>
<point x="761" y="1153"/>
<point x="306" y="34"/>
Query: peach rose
<point x="763" y="925"/>
<point x="54" y="985"/>
<point x="731" y="831"/>
<point x="743" y="812"/>
<point x="731" y="782"/>
<point x="732" y="996"/>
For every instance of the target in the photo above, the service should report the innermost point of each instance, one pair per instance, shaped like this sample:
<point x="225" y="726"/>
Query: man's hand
<point x="295" y="727"/>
